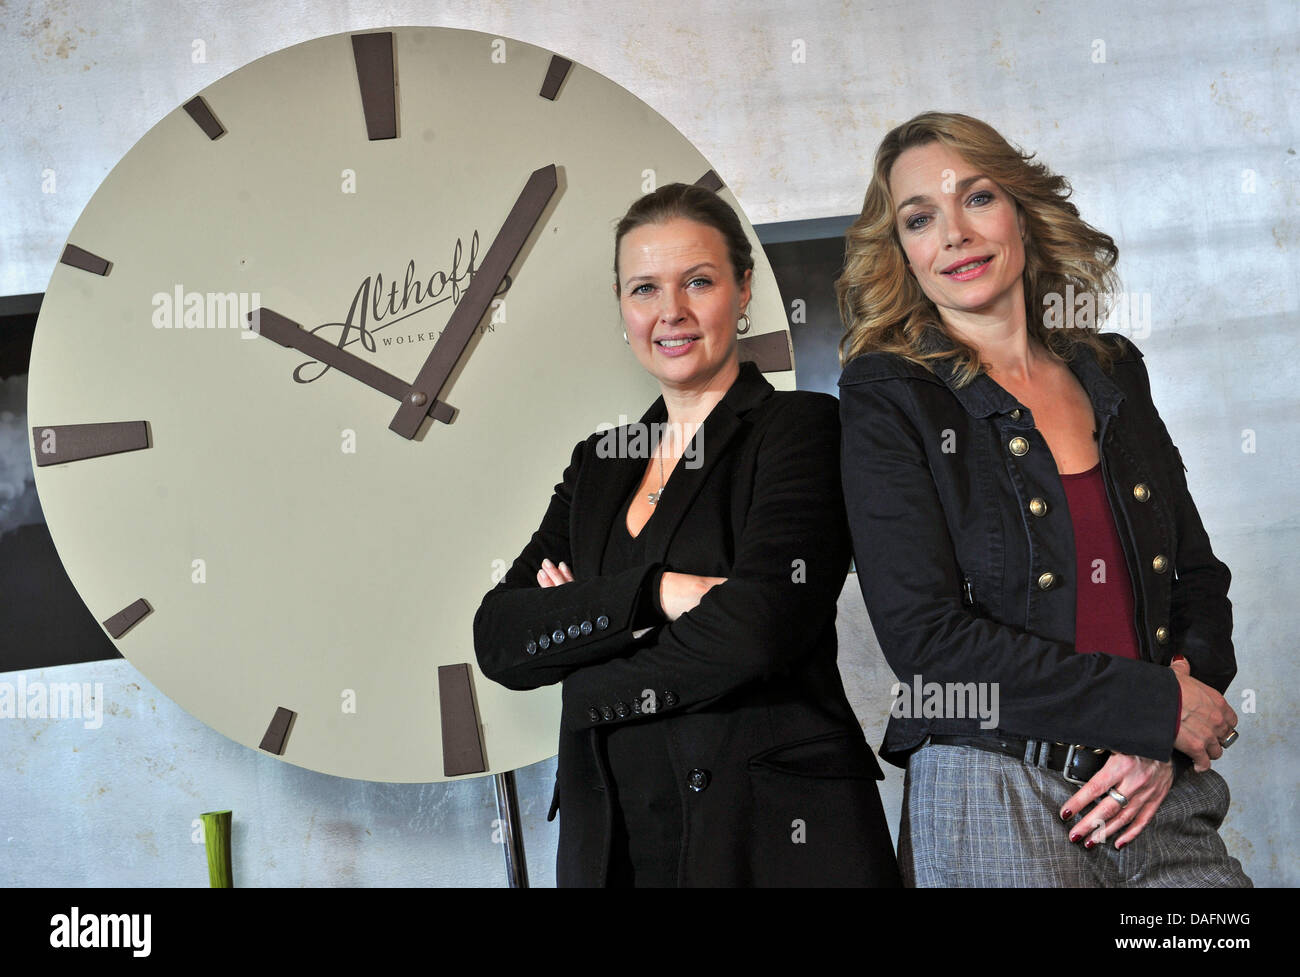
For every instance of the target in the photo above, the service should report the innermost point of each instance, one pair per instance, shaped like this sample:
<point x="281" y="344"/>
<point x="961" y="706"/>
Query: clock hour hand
<point x="449" y="348"/>
<point x="289" y="334"/>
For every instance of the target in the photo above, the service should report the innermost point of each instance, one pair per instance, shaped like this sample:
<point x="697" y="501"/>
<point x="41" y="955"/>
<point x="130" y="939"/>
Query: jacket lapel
<point x="1101" y="389"/>
<point x="983" y="396"/>
<point x="607" y="480"/>
<point x="708" y="446"/>
<point x="610" y="475"/>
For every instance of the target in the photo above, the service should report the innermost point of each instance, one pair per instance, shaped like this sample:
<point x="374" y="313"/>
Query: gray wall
<point x="1182" y="143"/>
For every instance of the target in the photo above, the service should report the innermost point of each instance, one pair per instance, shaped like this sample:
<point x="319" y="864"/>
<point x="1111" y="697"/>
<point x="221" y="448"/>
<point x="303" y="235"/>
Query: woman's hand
<point x="551" y="575"/>
<point x="678" y="592"/>
<point x="1206" y="721"/>
<point x="1142" y="781"/>
<point x="681" y="592"/>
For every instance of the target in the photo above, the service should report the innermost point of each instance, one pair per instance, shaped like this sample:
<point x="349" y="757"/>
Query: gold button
<point x="1018" y="446"/>
<point x="1015" y="414"/>
<point x="1160" y="564"/>
<point x="1141" y="492"/>
<point x="1162" y="635"/>
<point x="1046" y="580"/>
<point x="1038" y="507"/>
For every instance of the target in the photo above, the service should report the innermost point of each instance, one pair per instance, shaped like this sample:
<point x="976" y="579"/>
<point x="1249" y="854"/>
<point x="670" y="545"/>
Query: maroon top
<point x="1103" y="609"/>
<point x="1103" y="603"/>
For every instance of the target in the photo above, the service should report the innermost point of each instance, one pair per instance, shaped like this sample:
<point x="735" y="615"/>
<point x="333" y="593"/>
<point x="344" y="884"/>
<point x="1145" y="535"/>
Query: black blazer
<point x="952" y="553"/>
<point x="746" y="683"/>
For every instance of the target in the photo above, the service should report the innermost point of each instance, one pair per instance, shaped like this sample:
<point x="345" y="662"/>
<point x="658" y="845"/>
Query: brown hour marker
<point x="770" y="352"/>
<point x="83" y="259"/>
<point x="374" y="57"/>
<point x="710" y="181"/>
<point x="462" y="748"/>
<point x="202" y="114"/>
<point x="125" y="619"/>
<point x="555" y="75"/>
<point x="278" y="731"/>
<point x="58" y="443"/>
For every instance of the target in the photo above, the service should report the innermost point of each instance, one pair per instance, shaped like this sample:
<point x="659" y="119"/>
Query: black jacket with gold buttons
<point x="966" y="554"/>
<point x="776" y="782"/>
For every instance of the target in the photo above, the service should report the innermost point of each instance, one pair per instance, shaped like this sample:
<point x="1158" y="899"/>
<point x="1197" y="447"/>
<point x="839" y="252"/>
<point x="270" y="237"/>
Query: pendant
<point x="654" y="496"/>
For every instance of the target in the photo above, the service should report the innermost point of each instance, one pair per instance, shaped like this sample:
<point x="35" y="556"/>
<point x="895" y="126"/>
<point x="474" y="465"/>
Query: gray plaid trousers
<point x="975" y="818"/>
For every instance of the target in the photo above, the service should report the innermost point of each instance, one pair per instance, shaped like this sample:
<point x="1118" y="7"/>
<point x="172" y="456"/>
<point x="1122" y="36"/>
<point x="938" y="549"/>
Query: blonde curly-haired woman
<point x="1023" y="527"/>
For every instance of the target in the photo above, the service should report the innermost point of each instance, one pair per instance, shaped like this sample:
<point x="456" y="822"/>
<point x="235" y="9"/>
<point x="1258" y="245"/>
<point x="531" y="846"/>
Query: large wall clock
<point x="289" y="531"/>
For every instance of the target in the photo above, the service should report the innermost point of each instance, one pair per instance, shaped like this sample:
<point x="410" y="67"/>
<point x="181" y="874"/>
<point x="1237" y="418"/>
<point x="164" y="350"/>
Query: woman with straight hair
<point x="685" y="597"/>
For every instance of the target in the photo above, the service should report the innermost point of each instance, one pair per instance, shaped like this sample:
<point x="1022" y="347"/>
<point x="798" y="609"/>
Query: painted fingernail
<point x="1119" y="845"/>
<point x="1066" y="814"/>
<point x="1075" y="837"/>
<point x="1089" y="844"/>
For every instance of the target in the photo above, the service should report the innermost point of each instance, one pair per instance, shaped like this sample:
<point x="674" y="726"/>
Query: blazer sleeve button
<point x="697" y="779"/>
<point x="670" y="699"/>
<point x="602" y="623"/>
<point x="544" y="642"/>
<point x="621" y="709"/>
<point x="557" y="636"/>
<point x="531" y="647"/>
<point x="585" y="627"/>
<point x="607" y="712"/>
<point x="574" y="630"/>
<point x="593" y="714"/>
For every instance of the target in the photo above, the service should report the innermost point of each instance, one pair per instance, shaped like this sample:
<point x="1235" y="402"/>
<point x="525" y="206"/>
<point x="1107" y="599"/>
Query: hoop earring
<point x="748" y="325"/>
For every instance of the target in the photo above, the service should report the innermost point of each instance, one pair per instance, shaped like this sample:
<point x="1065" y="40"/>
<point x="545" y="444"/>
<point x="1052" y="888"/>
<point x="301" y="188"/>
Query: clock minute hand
<point x="449" y="348"/>
<point x="289" y="334"/>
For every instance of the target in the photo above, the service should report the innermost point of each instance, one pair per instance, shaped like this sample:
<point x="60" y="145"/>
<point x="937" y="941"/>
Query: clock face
<point x="257" y="540"/>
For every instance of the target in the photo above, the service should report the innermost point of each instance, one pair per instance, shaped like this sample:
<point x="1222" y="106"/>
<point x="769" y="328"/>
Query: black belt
<point x="1075" y="763"/>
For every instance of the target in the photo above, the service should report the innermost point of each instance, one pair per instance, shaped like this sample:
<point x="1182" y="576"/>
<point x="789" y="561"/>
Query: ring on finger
<point x="1117" y="797"/>
<point x="1228" y="740"/>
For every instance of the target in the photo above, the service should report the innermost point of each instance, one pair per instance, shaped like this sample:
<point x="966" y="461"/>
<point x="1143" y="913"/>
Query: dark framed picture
<point x="806" y="257"/>
<point x="43" y="620"/>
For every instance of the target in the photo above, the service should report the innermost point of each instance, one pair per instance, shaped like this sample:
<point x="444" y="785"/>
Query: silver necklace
<point x="654" y="496"/>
